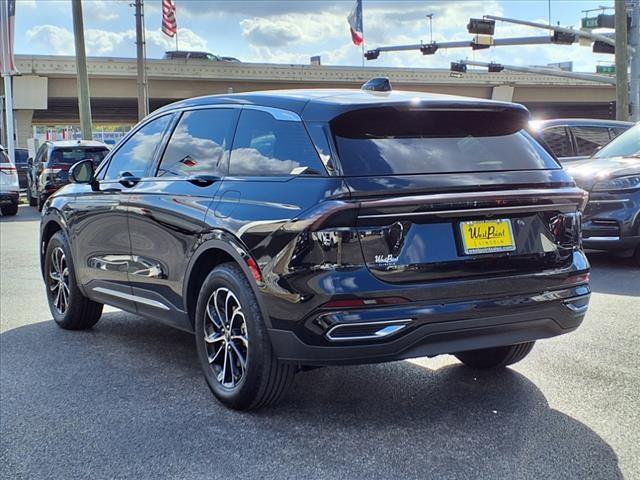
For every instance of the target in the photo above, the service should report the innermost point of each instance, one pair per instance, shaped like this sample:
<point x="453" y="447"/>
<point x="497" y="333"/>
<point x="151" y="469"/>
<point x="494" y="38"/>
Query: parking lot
<point x="126" y="399"/>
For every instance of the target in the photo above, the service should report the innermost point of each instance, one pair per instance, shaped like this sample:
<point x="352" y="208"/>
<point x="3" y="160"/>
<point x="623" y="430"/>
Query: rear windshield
<point x="387" y="141"/>
<point x="21" y="156"/>
<point x="69" y="156"/>
<point x="3" y="157"/>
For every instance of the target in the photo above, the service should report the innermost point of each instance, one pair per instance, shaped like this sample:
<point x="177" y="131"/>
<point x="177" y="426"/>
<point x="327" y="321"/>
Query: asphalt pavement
<point x="127" y="400"/>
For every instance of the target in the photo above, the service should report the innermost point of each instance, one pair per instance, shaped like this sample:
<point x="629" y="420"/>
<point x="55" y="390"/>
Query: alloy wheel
<point x="226" y="337"/>
<point x="59" y="280"/>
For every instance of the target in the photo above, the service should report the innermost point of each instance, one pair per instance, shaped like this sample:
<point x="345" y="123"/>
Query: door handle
<point x="202" y="180"/>
<point x="128" y="181"/>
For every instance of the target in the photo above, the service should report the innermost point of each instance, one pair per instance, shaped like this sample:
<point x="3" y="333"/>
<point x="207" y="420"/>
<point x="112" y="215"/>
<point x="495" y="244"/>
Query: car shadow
<point x="127" y="399"/>
<point x="613" y="275"/>
<point x="25" y="214"/>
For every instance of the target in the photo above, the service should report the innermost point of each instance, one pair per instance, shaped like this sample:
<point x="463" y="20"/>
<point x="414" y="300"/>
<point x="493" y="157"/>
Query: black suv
<point x="49" y="170"/>
<point x="307" y="228"/>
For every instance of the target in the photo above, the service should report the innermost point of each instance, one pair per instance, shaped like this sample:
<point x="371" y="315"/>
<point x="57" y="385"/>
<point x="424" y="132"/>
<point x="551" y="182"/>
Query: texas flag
<point x="355" y="22"/>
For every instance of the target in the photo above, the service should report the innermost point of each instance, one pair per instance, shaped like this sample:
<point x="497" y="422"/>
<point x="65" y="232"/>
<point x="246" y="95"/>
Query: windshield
<point x="69" y="156"/>
<point x="387" y="142"/>
<point x="625" y="145"/>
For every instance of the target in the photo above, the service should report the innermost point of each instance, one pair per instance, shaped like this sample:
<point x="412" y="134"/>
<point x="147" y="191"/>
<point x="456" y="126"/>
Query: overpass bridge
<point x="45" y="93"/>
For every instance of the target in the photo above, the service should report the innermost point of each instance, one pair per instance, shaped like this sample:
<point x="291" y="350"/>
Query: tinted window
<point x="558" y="140"/>
<point x="21" y="156"/>
<point x="69" y="156"/>
<point x="626" y="145"/>
<point x="384" y="142"/>
<point x="199" y="144"/>
<point x="588" y="139"/>
<point x="3" y="157"/>
<point x="265" y="146"/>
<point x="136" y="153"/>
<point x="615" y="131"/>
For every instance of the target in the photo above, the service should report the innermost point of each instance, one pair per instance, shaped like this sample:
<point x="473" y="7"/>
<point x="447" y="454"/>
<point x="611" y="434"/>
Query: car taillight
<point x="7" y="169"/>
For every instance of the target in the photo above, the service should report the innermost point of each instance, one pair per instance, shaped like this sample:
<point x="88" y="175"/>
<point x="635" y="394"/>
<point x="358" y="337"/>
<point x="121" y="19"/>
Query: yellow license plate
<point x="487" y="236"/>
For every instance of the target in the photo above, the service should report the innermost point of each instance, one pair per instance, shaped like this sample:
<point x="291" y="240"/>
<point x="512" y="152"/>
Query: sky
<point x="292" y="31"/>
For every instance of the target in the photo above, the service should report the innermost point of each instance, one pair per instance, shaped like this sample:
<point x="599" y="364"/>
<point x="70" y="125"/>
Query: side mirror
<point x="82" y="171"/>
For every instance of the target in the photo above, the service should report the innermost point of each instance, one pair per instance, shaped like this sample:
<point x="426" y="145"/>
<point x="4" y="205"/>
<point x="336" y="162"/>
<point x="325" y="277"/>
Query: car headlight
<point x="621" y="183"/>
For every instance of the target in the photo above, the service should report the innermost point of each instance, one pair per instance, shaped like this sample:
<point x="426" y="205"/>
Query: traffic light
<point x="495" y="67"/>
<point x="429" y="48"/>
<point x="481" y="26"/>
<point x="372" y="54"/>
<point x="459" y="67"/>
<point x="563" y="38"/>
<point x="612" y="110"/>
<point x="601" y="47"/>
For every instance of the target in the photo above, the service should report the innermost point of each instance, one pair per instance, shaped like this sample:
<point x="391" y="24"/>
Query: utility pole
<point x="622" y="58"/>
<point x="634" y="41"/>
<point x="84" y="104"/>
<point x="143" y="92"/>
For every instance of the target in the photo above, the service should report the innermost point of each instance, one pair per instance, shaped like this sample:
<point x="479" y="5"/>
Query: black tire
<point x="9" y="210"/>
<point x="79" y="312"/>
<point x="39" y="203"/>
<point x="636" y="255"/>
<point x="264" y="379"/>
<point x="32" y="201"/>
<point x="495" y="357"/>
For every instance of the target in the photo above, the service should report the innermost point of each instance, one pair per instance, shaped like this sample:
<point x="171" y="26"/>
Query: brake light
<point x="364" y="302"/>
<point x="7" y="169"/>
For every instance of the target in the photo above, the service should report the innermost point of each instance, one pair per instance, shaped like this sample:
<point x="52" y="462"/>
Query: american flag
<point x="7" y="16"/>
<point x="169" y="24"/>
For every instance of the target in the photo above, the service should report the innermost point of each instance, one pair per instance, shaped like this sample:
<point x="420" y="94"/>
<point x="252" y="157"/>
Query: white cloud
<point x="59" y="40"/>
<point x="100" y="10"/>
<point x="103" y="42"/>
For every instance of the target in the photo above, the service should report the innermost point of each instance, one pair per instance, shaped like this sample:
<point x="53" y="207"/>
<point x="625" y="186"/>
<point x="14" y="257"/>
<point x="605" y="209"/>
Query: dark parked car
<point x="323" y="227"/>
<point x="611" y="220"/>
<point x="573" y="139"/>
<point x="22" y="166"/>
<point x="49" y="170"/>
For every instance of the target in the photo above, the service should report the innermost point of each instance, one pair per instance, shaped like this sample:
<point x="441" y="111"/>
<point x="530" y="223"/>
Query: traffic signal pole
<point x="622" y="72"/>
<point x="546" y="71"/>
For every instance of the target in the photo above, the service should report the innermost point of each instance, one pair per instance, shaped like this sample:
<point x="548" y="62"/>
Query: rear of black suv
<point x="461" y="234"/>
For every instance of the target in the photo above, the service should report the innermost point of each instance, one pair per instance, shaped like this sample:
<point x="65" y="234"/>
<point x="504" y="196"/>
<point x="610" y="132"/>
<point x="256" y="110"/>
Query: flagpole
<point x="362" y="45"/>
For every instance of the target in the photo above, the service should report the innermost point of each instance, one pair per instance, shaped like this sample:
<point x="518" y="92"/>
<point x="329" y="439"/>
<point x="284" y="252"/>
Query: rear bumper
<point x="9" y="198"/>
<point x="441" y="328"/>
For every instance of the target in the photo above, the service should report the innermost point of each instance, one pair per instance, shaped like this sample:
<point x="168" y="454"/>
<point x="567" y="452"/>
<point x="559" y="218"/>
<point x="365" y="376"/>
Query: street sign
<point x="606" y="69"/>
<point x="590" y="22"/>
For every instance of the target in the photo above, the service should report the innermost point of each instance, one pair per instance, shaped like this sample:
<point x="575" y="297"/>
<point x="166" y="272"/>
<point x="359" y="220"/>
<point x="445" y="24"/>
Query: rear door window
<point x="266" y="146"/>
<point x="588" y="139"/>
<point x="559" y="141"/>
<point x="386" y="141"/>
<point x="200" y="143"/>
